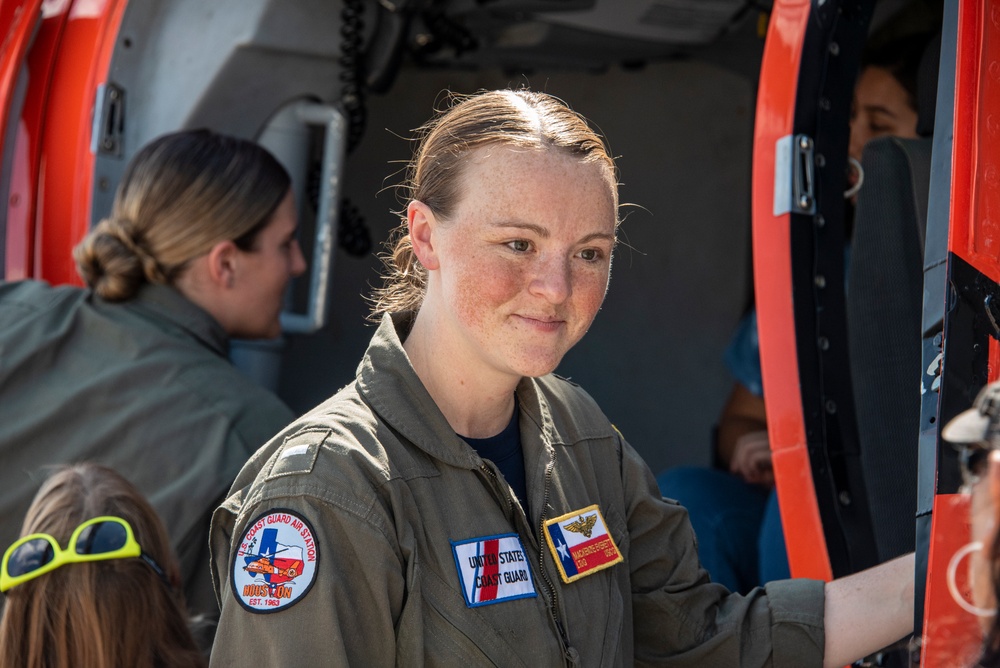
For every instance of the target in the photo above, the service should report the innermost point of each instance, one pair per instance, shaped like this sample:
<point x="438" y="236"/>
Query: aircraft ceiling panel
<point x="564" y="33"/>
<point x="680" y="22"/>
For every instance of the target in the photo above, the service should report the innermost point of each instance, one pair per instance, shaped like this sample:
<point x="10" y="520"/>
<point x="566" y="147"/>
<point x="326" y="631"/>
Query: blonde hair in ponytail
<point x="180" y="195"/>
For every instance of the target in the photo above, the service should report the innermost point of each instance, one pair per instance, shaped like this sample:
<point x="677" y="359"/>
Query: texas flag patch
<point x="493" y="569"/>
<point x="580" y="543"/>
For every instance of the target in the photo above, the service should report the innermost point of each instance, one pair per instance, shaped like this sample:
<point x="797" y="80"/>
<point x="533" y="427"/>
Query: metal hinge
<point x="109" y="120"/>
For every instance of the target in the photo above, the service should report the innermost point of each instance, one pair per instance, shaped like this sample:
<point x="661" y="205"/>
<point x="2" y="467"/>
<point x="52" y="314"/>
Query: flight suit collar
<point x="401" y="399"/>
<point x="165" y="304"/>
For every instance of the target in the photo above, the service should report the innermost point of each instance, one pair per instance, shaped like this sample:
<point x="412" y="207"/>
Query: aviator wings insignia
<point x="584" y="525"/>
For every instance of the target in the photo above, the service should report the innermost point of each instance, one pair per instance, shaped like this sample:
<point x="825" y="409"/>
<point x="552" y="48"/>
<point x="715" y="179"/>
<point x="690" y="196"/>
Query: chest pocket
<point x="436" y="624"/>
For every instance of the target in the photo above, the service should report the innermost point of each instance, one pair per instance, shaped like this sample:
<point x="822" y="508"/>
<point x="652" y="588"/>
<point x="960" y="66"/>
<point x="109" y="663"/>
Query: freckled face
<point x="524" y="260"/>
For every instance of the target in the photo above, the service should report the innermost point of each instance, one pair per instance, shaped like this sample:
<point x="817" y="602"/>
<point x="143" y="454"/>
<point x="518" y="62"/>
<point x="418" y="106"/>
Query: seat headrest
<point x="927" y="81"/>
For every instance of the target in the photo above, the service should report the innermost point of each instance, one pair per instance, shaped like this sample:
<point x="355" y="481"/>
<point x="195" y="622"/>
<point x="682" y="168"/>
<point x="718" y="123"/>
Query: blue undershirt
<point x="504" y="450"/>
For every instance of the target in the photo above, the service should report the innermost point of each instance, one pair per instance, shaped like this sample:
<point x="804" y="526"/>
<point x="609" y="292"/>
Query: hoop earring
<point x="953" y="586"/>
<point x="853" y="190"/>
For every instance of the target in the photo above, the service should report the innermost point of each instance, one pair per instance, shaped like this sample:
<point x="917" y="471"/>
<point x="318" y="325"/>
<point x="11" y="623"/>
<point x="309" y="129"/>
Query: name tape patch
<point x="493" y="569"/>
<point x="581" y="544"/>
<point x="275" y="563"/>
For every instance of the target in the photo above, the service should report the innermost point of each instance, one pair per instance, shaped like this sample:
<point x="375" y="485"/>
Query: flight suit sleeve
<point x="340" y="612"/>
<point x="681" y="618"/>
<point x="193" y="557"/>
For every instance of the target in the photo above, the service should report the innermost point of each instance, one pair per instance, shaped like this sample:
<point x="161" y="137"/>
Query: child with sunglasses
<point x="92" y="581"/>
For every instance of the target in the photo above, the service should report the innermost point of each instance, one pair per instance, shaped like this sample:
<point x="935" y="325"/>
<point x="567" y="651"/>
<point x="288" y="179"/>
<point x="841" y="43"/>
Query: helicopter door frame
<point x="801" y="133"/>
<point x="62" y="70"/>
<point x="970" y="346"/>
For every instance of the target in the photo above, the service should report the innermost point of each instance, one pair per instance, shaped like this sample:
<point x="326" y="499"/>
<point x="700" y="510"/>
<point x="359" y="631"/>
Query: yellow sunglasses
<point x="97" y="539"/>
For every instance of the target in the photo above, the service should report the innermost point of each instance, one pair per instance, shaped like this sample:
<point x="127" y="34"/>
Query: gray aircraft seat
<point x="884" y="308"/>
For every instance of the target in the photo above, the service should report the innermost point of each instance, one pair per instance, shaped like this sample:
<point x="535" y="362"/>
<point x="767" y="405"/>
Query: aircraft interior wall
<point x="682" y="132"/>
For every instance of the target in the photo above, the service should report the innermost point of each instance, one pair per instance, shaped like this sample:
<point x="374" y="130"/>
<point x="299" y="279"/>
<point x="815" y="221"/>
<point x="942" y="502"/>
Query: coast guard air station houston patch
<point x="581" y="544"/>
<point x="493" y="569"/>
<point x="275" y="562"/>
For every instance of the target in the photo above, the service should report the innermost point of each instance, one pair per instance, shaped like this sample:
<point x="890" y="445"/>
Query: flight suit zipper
<point x="569" y="653"/>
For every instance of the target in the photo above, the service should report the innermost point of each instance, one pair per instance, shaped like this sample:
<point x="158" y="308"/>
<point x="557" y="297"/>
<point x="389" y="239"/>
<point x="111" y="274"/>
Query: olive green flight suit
<point x="143" y="386"/>
<point x="388" y="490"/>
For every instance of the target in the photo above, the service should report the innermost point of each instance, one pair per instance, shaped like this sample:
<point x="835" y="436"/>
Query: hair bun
<point x="113" y="263"/>
<point x="123" y="231"/>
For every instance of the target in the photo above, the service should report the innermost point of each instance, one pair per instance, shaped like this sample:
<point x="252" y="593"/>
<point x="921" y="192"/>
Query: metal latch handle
<point x="326" y="217"/>
<point x="794" y="175"/>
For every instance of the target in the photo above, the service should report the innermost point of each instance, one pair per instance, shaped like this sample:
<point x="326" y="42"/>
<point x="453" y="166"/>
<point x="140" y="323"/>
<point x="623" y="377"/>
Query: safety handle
<point x="334" y="144"/>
